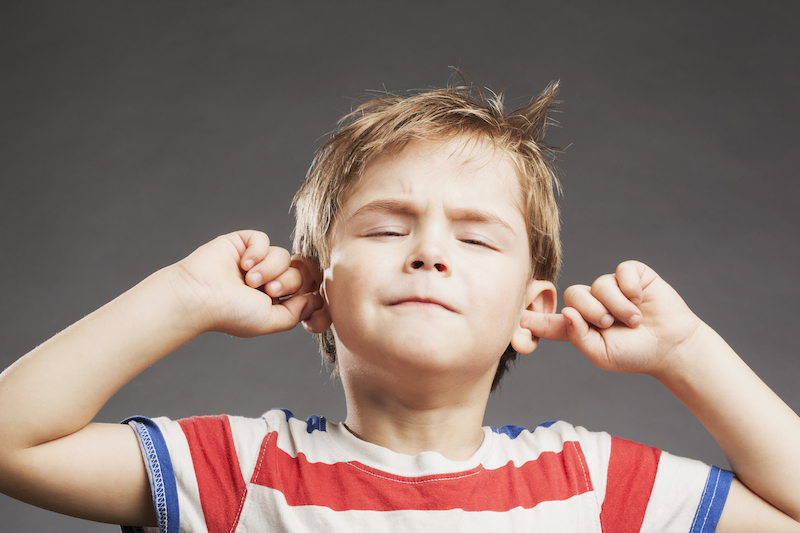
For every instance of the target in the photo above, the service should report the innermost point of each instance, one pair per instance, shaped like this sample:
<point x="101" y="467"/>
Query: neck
<point x="428" y="415"/>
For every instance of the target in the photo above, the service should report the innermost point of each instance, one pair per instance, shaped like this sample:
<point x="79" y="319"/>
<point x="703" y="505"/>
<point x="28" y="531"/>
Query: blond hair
<point x="391" y="121"/>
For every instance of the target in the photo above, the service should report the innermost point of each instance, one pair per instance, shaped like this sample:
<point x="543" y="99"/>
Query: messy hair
<point x="390" y="122"/>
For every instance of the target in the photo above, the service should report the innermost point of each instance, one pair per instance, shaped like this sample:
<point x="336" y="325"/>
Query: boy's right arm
<point x="51" y="455"/>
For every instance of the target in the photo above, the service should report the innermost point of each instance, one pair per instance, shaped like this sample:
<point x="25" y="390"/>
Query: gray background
<point x="132" y="132"/>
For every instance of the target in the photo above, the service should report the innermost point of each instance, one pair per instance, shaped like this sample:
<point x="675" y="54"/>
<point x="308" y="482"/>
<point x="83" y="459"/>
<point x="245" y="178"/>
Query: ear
<point x="313" y="281"/>
<point x="540" y="297"/>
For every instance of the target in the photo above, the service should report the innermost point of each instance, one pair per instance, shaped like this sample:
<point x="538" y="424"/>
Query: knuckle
<point x="279" y="255"/>
<point x="259" y="236"/>
<point x="602" y="284"/>
<point x="574" y="293"/>
<point x="569" y="292"/>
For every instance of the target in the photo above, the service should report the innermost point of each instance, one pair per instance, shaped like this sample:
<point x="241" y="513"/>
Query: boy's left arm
<point x="633" y="321"/>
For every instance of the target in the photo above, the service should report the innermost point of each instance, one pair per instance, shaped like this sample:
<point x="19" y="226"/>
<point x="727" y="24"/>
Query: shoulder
<point x="553" y="437"/>
<point x="582" y="456"/>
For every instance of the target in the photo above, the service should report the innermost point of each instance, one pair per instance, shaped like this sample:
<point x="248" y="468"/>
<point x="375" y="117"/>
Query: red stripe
<point x="216" y="466"/>
<point x="631" y="474"/>
<point x="355" y="486"/>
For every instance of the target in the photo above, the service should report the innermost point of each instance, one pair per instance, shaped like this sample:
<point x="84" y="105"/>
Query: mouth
<point x="422" y="303"/>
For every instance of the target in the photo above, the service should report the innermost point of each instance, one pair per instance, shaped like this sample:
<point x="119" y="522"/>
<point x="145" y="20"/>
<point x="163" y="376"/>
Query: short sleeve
<point x="198" y="469"/>
<point x="651" y="491"/>
<point x="160" y="472"/>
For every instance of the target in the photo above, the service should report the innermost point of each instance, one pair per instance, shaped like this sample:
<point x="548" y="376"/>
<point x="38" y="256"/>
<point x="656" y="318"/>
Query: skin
<point x="633" y="321"/>
<point x="49" y="397"/>
<point x="426" y="282"/>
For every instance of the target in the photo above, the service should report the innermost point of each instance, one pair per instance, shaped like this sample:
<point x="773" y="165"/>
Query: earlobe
<point x="540" y="297"/>
<point x="320" y="319"/>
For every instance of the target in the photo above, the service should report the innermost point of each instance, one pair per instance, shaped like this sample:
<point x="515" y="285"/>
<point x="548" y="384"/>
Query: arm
<point x="51" y="455"/>
<point x="633" y="321"/>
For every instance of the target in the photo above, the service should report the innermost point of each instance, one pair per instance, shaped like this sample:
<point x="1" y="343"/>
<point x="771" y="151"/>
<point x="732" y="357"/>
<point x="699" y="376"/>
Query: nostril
<point x="417" y="264"/>
<point x="440" y="267"/>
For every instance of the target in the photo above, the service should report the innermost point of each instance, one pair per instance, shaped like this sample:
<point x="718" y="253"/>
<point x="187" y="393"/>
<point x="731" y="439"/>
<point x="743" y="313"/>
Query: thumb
<point x="550" y="326"/>
<point x="286" y="314"/>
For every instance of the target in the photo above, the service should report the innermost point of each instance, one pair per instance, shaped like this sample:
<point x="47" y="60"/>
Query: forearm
<point x="58" y="387"/>
<point x="757" y="431"/>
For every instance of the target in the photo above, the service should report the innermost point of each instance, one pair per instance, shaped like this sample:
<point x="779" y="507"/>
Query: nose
<point x="428" y="255"/>
<point x="416" y="265"/>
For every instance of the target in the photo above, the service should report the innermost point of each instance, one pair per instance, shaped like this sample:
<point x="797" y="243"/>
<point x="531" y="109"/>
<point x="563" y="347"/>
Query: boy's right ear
<point x="320" y="319"/>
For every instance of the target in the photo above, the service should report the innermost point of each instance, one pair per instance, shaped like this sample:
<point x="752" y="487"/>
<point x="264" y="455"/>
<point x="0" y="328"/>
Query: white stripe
<point x="576" y="515"/>
<point x="188" y="492"/>
<point x="676" y="492"/>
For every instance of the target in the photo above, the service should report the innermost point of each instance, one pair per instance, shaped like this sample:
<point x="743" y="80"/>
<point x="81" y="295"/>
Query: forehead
<point x="456" y="171"/>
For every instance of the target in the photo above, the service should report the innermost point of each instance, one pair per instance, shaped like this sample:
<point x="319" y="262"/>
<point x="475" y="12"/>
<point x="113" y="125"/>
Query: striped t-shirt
<point x="279" y="473"/>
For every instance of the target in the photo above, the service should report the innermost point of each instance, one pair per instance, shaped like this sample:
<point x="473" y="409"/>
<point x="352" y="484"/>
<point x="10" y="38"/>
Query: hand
<point x="240" y="285"/>
<point x="629" y="321"/>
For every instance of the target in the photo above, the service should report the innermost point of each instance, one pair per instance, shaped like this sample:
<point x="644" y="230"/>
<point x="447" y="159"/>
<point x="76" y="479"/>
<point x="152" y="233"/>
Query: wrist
<point x="689" y="364"/>
<point x="180" y="306"/>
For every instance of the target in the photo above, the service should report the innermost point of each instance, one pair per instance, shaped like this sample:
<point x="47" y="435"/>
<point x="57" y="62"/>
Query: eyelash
<point x="385" y="234"/>
<point x="475" y="242"/>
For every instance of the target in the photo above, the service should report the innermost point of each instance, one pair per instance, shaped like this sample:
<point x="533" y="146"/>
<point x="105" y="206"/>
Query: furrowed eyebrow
<point x="386" y="205"/>
<point x="401" y="207"/>
<point x="481" y="217"/>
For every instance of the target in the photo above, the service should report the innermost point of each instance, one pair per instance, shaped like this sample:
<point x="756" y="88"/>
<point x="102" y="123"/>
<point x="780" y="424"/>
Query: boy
<point x="427" y="242"/>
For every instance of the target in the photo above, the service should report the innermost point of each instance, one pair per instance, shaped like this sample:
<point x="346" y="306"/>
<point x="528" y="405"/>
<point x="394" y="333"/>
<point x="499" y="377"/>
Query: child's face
<point x="429" y="262"/>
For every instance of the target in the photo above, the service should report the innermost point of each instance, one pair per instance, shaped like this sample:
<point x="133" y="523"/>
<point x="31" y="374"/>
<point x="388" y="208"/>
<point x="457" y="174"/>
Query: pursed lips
<point x="422" y="302"/>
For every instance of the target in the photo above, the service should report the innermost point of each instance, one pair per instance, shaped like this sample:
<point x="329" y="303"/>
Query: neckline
<point x="349" y="448"/>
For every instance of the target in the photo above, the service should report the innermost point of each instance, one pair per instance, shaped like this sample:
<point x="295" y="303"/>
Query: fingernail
<point x="606" y="321"/>
<point x="634" y="321"/>
<point x="255" y="279"/>
<point x="274" y="287"/>
<point x="247" y="265"/>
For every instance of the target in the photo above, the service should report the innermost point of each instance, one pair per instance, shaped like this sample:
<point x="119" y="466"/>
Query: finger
<point x="608" y="292"/>
<point x="275" y="263"/>
<point x="548" y="326"/>
<point x="576" y="325"/>
<point x="288" y="313"/>
<point x="289" y="282"/>
<point x="585" y="338"/>
<point x="629" y="279"/>
<point x="256" y="248"/>
<point x="580" y="298"/>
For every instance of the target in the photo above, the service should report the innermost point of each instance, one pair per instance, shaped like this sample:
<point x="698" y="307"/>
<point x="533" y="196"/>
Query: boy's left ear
<point x="540" y="297"/>
<point x="320" y="319"/>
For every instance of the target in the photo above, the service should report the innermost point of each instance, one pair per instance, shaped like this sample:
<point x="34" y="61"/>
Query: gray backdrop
<point x="132" y="132"/>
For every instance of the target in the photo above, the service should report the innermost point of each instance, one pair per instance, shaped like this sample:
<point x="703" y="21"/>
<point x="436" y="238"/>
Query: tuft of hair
<point x="390" y="121"/>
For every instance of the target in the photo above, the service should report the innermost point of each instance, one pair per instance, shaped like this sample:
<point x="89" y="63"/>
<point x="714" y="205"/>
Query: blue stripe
<point x="315" y="422"/>
<point x="288" y="413"/>
<point x="513" y="432"/>
<point x="713" y="501"/>
<point x="509" y="431"/>
<point x="159" y="470"/>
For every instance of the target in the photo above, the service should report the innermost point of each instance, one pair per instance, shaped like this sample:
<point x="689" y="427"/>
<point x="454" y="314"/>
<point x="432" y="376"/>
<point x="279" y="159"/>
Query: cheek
<point x="345" y="290"/>
<point x="506" y="299"/>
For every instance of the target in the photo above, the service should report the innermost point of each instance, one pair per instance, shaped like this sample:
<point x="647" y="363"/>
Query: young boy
<point x="427" y="241"/>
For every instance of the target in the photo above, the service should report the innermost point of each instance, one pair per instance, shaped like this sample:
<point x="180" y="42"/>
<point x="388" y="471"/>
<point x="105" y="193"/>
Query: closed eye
<point x="478" y="242"/>
<point x="385" y="234"/>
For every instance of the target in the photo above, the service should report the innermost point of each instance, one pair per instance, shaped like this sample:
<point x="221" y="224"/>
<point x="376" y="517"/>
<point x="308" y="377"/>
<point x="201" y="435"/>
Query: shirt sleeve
<point x="198" y="468"/>
<point x="160" y="472"/>
<point x="648" y="490"/>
